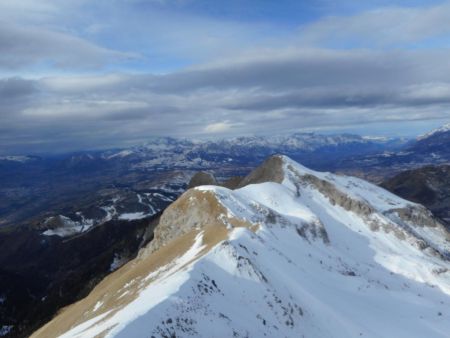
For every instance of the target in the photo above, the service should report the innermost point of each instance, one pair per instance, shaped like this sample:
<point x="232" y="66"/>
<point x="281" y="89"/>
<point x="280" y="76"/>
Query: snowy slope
<point x="442" y="129"/>
<point x="123" y="205"/>
<point x="301" y="254"/>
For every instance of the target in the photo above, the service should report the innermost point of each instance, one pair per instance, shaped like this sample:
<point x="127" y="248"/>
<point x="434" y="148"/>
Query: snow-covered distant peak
<point x="168" y="148"/>
<point x="21" y="159"/>
<point x="121" y="154"/>
<point x="292" y="252"/>
<point x="443" y="129"/>
<point x="376" y="138"/>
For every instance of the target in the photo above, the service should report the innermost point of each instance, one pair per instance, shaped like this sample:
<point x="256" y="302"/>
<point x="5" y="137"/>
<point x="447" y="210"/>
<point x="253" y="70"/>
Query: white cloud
<point x="24" y="46"/>
<point x="388" y="26"/>
<point x="219" y="127"/>
<point x="237" y="87"/>
<point x="73" y="84"/>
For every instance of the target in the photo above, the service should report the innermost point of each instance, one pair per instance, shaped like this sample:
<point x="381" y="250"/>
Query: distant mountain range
<point x="435" y="132"/>
<point x="432" y="148"/>
<point x="314" y="148"/>
<point x="37" y="190"/>
<point x="434" y="143"/>
<point x="184" y="153"/>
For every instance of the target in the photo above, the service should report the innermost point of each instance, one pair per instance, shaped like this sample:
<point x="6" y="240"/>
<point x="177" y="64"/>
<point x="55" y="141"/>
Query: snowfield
<point x="313" y="255"/>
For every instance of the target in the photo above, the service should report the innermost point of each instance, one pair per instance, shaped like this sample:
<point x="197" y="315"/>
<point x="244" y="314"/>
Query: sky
<point x="79" y="74"/>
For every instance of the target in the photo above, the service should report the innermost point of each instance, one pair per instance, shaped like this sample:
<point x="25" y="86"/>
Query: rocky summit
<point x="291" y="252"/>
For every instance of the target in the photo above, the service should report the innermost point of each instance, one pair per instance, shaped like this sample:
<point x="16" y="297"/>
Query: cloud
<point x="388" y="26"/>
<point x="218" y="127"/>
<point x="308" y="68"/>
<point x="245" y="82"/>
<point x="14" y="88"/>
<point x="30" y="46"/>
<point x="16" y="94"/>
<point x="280" y="92"/>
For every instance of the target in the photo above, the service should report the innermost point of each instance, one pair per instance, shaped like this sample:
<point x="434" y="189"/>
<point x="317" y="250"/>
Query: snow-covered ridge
<point x="293" y="253"/>
<point x="12" y="158"/>
<point x="163" y="149"/>
<point x="443" y="129"/>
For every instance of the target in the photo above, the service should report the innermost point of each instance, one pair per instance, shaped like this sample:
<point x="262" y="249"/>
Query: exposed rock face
<point x="334" y="195"/>
<point x="270" y="171"/>
<point x="232" y="183"/>
<point x="202" y="178"/>
<point x="195" y="209"/>
<point x="417" y="215"/>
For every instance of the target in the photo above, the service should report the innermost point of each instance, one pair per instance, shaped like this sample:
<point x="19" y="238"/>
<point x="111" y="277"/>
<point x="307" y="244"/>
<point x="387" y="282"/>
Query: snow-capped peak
<point x="292" y="252"/>
<point x="16" y="158"/>
<point x="442" y="129"/>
